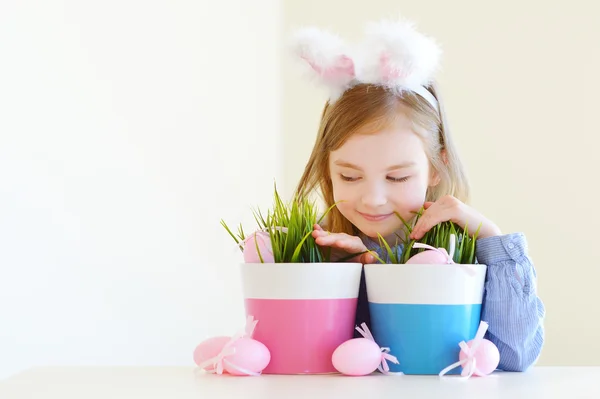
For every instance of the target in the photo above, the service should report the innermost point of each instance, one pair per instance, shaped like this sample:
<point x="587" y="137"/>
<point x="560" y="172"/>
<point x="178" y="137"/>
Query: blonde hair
<point x="376" y="107"/>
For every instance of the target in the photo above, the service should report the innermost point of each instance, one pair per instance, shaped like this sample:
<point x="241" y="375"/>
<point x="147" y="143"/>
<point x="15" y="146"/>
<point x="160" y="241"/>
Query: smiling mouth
<point x="375" y="218"/>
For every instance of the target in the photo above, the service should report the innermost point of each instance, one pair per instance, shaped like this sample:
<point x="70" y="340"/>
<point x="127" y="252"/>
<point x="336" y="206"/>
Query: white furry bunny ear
<point x="396" y="55"/>
<point x="328" y="58"/>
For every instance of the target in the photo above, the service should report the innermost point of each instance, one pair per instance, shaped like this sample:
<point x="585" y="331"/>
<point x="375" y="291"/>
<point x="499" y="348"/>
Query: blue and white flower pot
<point x="423" y="311"/>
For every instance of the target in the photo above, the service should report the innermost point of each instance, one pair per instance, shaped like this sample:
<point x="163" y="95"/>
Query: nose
<point x="374" y="195"/>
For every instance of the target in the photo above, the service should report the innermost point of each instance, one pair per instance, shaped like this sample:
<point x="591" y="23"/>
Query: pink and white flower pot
<point x="304" y="312"/>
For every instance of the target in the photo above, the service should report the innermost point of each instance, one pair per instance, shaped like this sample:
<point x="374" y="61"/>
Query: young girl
<point x="384" y="146"/>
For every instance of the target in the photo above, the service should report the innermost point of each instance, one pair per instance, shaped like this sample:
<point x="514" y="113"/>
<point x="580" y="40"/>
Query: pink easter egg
<point x="429" y="257"/>
<point x="208" y="349"/>
<point x="356" y="357"/>
<point x="487" y="357"/>
<point x="263" y="239"/>
<point x="250" y="355"/>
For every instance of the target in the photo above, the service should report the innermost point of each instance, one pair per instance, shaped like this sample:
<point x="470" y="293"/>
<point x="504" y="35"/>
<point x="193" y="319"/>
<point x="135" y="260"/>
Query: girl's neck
<point x="393" y="239"/>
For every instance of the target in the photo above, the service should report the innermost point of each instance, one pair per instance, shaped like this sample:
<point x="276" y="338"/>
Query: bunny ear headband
<point x="393" y="55"/>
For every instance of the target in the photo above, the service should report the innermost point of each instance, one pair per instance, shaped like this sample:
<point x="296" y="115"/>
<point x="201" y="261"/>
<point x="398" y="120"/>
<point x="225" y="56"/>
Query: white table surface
<point x="184" y="383"/>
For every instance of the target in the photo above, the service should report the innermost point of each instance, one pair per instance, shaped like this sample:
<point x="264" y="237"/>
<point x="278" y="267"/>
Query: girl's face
<point x="377" y="174"/>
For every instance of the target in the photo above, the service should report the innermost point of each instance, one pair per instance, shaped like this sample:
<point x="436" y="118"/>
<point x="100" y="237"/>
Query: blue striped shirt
<point x="510" y="304"/>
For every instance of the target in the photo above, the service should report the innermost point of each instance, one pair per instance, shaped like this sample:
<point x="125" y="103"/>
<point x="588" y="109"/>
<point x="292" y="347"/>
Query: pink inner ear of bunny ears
<point x="389" y="73"/>
<point x="343" y="67"/>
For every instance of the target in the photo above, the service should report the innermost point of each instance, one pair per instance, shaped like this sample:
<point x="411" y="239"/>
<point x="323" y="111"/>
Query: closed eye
<point x="398" y="179"/>
<point x="348" y="178"/>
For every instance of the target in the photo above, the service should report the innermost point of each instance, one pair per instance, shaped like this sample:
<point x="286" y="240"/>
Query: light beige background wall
<point x="122" y="145"/>
<point x="521" y="84"/>
<point x="128" y="130"/>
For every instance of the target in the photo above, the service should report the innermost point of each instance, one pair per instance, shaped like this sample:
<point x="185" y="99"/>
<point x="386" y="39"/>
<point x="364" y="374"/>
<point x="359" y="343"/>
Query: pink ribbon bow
<point x="469" y="363"/>
<point x="385" y="356"/>
<point x="221" y="358"/>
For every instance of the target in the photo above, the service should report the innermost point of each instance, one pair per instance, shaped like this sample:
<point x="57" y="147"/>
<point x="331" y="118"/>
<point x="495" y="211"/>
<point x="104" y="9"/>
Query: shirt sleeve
<point x="510" y="305"/>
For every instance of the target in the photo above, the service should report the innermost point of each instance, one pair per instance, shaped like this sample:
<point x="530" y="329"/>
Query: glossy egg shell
<point x="358" y="356"/>
<point x="428" y="257"/>
<point x="250" y="355"/>
<point x="264" y="246"/>
<point x="208" y="349"/>
<point x="487" y="357"/>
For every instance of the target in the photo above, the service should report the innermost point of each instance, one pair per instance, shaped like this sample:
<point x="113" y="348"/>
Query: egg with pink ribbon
<point x="358" y="356"/>
<point x="237" y="355"/>
<point x="258" y="246"/>
<point x="209" y="349"/>
<point x="361" y="356"/>
<point x="478" y="356"/>
<point x="247" y="357"/>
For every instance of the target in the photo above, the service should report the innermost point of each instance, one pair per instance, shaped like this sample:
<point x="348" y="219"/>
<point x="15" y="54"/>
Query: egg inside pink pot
<point x="255" y="243"/>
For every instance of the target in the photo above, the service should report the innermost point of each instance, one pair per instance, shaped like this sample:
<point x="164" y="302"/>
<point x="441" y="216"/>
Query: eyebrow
<point x="393" y="167"/>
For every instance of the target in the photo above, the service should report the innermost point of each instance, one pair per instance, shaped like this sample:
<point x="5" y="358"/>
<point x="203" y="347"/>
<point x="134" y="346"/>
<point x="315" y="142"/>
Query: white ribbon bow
<point x="385" y="356"/>
<point x="221" y="358"/>
<point x="449" y="256"/>
<point x="469" y="363"/>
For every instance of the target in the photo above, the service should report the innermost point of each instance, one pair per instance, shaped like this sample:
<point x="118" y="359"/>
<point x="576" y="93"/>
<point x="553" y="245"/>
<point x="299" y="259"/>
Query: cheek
<point x="345" y="209"/>
<point x="344" y="193"/>
<point x="411" y="195"/>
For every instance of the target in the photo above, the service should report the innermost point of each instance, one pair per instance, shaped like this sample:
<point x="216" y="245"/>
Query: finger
<point x="426" y="222"/>
<point x="416" y="228"/>
<point x="337" y="236"/>
<point x="422" y="225"/>
<point x="327" y="239"/>
<point x="427" y="204"/>
<point x="350" y="244"/>
<point x="363" y="257"/>
<point x="367" y="258"/>
<point x="319" y="233"/>
<point x="420" y="228"/>
<point x="347" y="243"/>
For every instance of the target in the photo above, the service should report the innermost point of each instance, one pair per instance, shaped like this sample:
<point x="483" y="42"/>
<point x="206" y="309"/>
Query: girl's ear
<point x="434" y="178"/>
<point x="444" y="156"/>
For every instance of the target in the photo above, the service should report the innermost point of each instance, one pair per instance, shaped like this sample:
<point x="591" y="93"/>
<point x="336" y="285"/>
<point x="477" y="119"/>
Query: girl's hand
<point x="451" y="209"/>
<point x="342" y="245"/>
